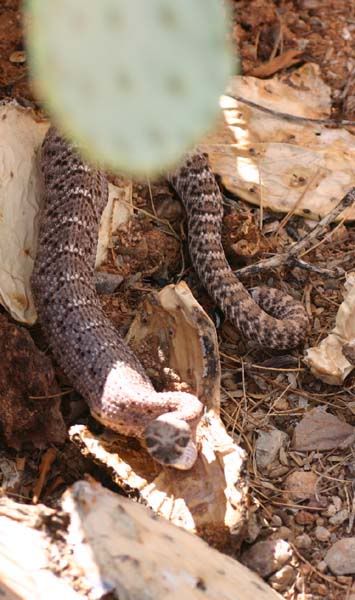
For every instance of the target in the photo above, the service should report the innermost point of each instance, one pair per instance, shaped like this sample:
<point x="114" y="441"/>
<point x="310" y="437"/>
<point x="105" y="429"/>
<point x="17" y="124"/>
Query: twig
<point x="47" y="460"/>
<point x="291" y="257"/>
<point x="295" y="118"/>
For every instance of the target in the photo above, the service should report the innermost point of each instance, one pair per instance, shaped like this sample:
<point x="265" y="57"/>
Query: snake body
<point x="266" y="315"/>
<point x="84" y="342"/>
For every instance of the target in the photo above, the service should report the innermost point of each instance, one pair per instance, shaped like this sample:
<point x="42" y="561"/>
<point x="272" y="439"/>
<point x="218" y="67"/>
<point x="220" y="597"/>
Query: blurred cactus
<point x="134" y="82"/>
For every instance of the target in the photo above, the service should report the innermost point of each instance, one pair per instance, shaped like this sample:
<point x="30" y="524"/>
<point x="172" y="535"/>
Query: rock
<point x="282" y="579"/>
<point x="322" y="534"/>
<point x="107" y="283"/>
<point x="303" y="541"/>
<point x="340" y="558"/>
<point x="339" y="517"/>
<point x="322" y="566"/>
<point x="303" y="517"/>
<point x="283" y="533"/>
<point x="300" y="485"/>
<point x="268" y="446"/>
<point x="331" y="510"/>
<point x="337" y="502"/>
<point x="253" y="529"/>
<point x="276" y="521"/>
<point x="319" y="430"/>
<point x="267" y="557"/>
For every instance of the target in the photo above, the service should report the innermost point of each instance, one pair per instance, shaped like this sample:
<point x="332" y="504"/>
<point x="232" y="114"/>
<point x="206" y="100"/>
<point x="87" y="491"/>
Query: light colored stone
<point x="322" y="566"/>
<point x="340" y="558"/>
<point x="276" y="521"/>
<point x="339" y="517"/>
<point x="322" y="534"/>
<point x="303" y="541"/>
<point x="282" y="579"/>
<point x="268" y="446"/>
<point x="337" y="502"/>
<point x="282" y="533"/>
<point x="300" y="485"/>
<point x="320" y="430"/>
<point x="253" y="529"/>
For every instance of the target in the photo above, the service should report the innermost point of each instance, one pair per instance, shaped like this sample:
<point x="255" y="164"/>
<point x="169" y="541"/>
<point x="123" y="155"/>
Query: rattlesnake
<point x="84" y="342"/>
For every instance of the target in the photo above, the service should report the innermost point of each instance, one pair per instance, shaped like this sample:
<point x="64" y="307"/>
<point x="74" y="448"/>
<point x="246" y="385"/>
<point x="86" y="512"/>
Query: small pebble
<point x="282" y="579"/>
<point x="267" y="557"/>
<point x="268" y="446"/>
<point x="304" y="517"/>
<point x="276" y="521"/>
<point x="337" y="502"/>
<point x="17" y="57"/>
<point x="303" y="541"/>
<point x="283" y="533"/>
<point x="331" y="510"/>
<point x="300" y="485"/>
<point x="339" y="517"/>
<point x="322" y="534"/>
<point x="322" y="566"/>
<point x="300" y="583"/>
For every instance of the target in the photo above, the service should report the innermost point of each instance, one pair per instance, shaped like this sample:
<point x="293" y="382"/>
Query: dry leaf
<point x="21" y="136"/>
<point x="281" y="164"/>
<point x="327" y="360"/>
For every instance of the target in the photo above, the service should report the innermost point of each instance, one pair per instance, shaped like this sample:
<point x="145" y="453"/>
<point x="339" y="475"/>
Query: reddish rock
<point x="319" y="430"/>
<point x="300" y="485"/>
<point x="267" y="557"/>
<point x="304" y="517"/>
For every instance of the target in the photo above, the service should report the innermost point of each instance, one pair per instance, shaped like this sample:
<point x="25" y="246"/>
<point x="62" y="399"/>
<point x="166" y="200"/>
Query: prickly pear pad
<point x="134" y="82"/>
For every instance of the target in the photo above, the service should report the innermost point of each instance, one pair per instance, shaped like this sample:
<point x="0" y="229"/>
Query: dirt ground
<point x="259" y="389"/>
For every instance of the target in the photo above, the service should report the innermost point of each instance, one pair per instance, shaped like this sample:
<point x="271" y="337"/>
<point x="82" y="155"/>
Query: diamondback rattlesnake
<point x="84" y="342"/>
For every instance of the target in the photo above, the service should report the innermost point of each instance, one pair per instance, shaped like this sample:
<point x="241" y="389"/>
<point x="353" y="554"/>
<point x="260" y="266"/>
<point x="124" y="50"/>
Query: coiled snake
<point x="84" y="342"/>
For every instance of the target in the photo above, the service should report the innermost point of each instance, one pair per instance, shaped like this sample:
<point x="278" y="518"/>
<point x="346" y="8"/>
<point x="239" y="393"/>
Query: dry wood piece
<point x="274" y="148"/>
<point x="25" y="567"/>
<point x="176" y="341"/>
<point x="123" y="547"/>
<point x="21" y="133"/>
<point x="102" y="544"/>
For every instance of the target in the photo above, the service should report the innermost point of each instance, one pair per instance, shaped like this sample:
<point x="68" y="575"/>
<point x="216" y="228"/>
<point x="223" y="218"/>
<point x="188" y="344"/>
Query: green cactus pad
<point x="134" y="82"/>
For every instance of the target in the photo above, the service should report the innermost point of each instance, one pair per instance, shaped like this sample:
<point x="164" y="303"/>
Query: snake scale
<point x="85" y="343"/>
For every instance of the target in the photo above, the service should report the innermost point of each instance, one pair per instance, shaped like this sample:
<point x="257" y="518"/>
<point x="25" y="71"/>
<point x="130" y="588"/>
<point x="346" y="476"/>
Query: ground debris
<point x="29" y="394"/>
